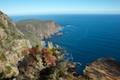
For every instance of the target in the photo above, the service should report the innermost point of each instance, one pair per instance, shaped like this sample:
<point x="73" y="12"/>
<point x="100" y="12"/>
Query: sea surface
<point x="85" y="37"/>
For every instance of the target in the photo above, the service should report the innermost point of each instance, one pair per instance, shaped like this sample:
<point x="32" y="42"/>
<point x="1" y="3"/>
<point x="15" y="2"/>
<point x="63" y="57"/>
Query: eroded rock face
<point x="12" y="43"/>
<point x="103" y="69"/>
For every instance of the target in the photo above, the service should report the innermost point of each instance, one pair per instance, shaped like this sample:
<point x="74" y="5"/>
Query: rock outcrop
<point x="12" y="43"/>
<point x="103" y="69"/>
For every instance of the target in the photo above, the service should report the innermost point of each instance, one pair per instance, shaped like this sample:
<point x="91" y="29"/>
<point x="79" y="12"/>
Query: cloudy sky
<point x="32" y="7"/>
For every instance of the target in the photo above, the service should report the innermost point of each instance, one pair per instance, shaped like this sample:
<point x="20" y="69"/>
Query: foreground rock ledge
<point x="103" y="69"/>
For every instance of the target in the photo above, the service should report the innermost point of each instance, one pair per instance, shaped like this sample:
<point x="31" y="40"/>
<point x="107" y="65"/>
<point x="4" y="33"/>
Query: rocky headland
<point x="37" y="29"/>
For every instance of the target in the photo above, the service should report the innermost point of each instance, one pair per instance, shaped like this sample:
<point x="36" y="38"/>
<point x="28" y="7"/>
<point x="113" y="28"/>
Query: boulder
<point x="103" y="69"/>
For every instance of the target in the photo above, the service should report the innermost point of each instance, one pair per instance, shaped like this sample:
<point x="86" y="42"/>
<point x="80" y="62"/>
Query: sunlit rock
<point x="3" y="35"/>
<point x="103" y="69"/>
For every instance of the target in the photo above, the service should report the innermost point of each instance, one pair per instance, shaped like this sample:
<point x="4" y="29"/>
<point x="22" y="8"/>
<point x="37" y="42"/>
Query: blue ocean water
<point x="86" y="37"/>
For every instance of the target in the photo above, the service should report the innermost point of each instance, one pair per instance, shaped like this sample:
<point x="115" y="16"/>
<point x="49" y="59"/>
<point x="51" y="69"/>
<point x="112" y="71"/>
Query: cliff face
<point x="41" y="29"/>
<point x="12" y="43"/>
<point x="4" y="20"/>
<point x="103" y="69"/>
<point x="20" y="61"/>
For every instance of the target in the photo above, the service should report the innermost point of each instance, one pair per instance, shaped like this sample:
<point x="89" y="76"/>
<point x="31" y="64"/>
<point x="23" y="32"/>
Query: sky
<point x="32" y="7"/>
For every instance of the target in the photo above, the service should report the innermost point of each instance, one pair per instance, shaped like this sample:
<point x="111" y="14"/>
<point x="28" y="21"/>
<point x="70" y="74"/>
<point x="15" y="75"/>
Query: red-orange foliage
<point x="32" y="51"/>
<point x="49" y="58"/>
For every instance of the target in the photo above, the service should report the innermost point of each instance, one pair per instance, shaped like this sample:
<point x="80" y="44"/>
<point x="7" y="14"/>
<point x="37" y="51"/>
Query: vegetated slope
<point x="20" y="61"/>
<point x="12" y="43"/>
<point x="36" y="28"/>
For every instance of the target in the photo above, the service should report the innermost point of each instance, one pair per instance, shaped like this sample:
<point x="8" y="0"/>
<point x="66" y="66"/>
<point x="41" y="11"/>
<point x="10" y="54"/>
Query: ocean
<point x="85" y="37"/>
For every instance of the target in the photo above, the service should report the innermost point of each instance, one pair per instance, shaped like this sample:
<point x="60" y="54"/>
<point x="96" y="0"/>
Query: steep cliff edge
<point x="12" y="43"/>
<point x="19" y="60"/>
<point x="36" y="28"/>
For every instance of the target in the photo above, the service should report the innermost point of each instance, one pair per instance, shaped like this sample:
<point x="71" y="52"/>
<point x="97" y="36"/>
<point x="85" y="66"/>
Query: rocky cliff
<point x="36" y="28"/>
<point x="12" y="43"/>
<point x="103" y="69"/>
<point x="19" y="60"/>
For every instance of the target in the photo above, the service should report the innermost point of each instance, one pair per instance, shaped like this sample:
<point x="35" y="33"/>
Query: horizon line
<point x="64" y="14"/>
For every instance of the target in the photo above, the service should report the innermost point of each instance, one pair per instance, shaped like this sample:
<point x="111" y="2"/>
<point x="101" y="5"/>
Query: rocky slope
<point x="12" y="43"/>
<point x="36" y="28"/>
<point x="103" y="69"/>
<point x="19" y="60"/>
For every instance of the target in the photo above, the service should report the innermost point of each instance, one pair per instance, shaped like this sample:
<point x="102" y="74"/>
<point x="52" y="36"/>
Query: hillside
<point x="37" y="28"/>
<point x="19" y="60"/>
<point x="12" y="43"/>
